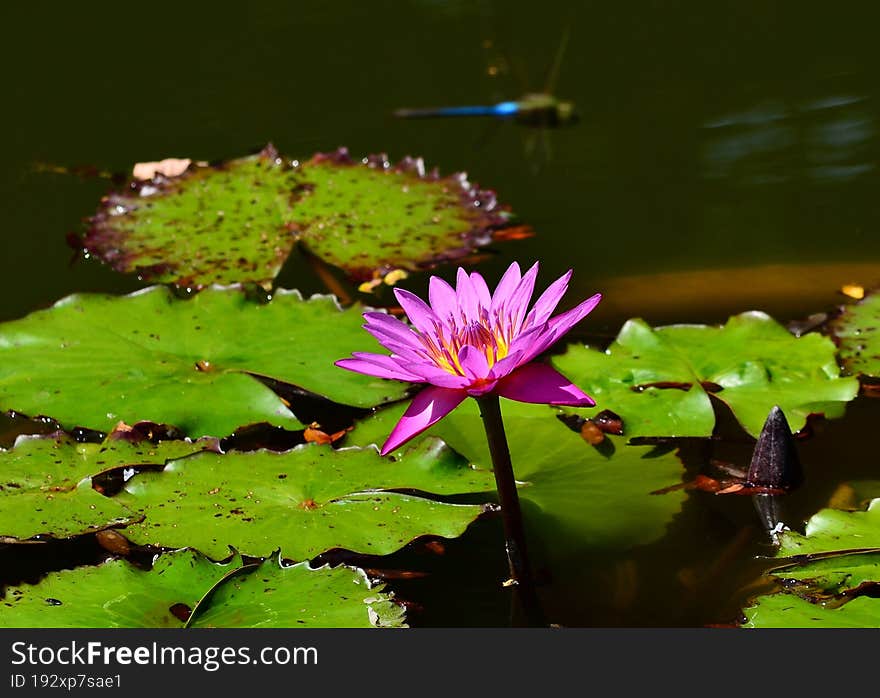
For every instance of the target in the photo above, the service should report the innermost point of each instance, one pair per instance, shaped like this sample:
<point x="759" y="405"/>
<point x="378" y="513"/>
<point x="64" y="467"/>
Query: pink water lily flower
<point x="470" y="342"/>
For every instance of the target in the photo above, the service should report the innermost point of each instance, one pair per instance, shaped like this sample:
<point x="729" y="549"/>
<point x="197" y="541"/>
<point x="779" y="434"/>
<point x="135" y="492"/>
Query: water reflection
<point x="840" y="137"/>
<point x="830" y="137"/>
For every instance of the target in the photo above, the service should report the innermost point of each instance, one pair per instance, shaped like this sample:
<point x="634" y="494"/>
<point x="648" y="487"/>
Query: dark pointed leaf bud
<point x="775" y="464"/>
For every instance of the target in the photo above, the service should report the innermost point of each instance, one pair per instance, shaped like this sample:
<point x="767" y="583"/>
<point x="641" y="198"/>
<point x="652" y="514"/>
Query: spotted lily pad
<point x="586" y="499"/>
<point x="659" y="380"/>
<point x="239" y="220"/>
<point x="858" y="332"/>
<point x="305" y="502"/>
<point x="92" y="360"/>
<point x="46" y="483"/>
<point x="272" y="595"/>
<point x="117" y="594"/>
<point x="828" y="577"/>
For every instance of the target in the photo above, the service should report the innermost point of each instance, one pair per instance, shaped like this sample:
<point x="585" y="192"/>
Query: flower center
<point x="445" y="345"/>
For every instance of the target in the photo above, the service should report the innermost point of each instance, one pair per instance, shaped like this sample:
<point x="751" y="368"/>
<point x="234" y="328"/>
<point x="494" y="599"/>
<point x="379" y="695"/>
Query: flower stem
<point x="514" y="532"/>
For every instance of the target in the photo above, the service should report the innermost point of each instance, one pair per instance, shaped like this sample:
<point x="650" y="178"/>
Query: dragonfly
<point x="535" y="109"/>
<point x="541" y="110"/>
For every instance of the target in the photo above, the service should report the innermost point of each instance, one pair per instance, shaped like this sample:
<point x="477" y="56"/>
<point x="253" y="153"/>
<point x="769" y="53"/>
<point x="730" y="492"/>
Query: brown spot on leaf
<point x="113" y="541"/>
<point x="180" y="611"/>
<point x="591" y="433"/>
<point x="663" y="385"/>
<point x="609" y="422"/>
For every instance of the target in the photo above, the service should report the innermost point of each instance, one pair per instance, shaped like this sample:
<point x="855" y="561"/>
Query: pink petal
<point x="466" y="296"/>
<point x="390" y="326"/>
<point x="506" y="365"/>
<point x="538" y="343"/>
<point x="427" y="408"/>
<point x="518" y="303"/>
<point x="419" y="313"/>
<point x="561" y="324"/>
<point x="394" y="335"/>
<point x="479" y="284"/>
<point x="390" y="362"/>
<point x="405" y="352"/>
<point x="434" y="375"/>
<point x="408" y="346"/>
<point x="546" y="304"/>
<point x="377" y="365"/>
<point x="542" y="384"/>
<point x="551" y="334"/>
<point x="509" y="281"/>
<point x="443" y="300"/>
<point x="529" y="343"/>
<point x="474" y="362"/>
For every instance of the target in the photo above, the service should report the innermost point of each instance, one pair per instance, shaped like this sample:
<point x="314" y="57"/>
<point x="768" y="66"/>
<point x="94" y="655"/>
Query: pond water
<point x="726" y="159"/>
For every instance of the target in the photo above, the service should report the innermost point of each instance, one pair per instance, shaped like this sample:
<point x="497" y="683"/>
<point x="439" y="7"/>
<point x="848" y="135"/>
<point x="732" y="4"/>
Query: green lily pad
<point x="46" y="486"/>
<point x="832" y="530"/>
<point x="658" y="380"/>
<point x="651" y="411"/>
<point x="430" y="464"/>
<point x="115" y="594"/>
<point x="592" y="500"/>
<point x="833" y="574"/>
<point x="581" y="498"/>
<point x="305" y="501"/>
<point x="858" y="332"/>
<point x="220" y="224"/>
<point x="92" y="360"/>
<point x="790" y="611"/>
<point x="238" y="221"/>
<point x="271" y="595"/>
<point x="825" y="572"/>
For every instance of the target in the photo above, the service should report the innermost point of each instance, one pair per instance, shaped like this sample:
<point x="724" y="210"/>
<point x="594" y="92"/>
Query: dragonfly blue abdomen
<point x="501" y="109"/>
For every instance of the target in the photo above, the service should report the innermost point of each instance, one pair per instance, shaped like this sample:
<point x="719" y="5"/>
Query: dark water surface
<point x="726" y="159"/>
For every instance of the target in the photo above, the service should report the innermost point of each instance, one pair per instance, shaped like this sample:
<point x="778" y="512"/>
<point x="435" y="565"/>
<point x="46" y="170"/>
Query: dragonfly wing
<point x="553" y="72"/>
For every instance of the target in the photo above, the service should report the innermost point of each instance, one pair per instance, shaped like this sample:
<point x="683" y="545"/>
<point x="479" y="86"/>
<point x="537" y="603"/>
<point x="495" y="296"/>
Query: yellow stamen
<point x="444" y="349"/>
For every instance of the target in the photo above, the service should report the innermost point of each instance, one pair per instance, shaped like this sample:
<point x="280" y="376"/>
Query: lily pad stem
<point x="514" y="532"/>
<point x="322" y="271"/>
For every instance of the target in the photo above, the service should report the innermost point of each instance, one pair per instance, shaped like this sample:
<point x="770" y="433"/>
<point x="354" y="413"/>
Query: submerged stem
<point x="322" y="271"/>
<point x="514" y="532"/>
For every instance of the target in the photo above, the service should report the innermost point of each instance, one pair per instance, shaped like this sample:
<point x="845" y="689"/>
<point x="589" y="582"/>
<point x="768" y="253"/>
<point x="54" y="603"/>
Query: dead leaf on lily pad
<point x="169" y="167"/>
